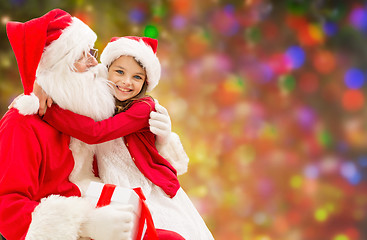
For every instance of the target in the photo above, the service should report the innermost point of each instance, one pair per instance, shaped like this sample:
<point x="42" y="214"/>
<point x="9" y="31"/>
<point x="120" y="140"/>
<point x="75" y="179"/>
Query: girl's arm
<point x="91" y="132"/>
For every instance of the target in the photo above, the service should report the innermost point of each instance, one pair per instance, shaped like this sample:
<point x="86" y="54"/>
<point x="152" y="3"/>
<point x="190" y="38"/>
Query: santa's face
<point x="85" y="62"/>
<point x="80" y="92"/>
<point x="127" y="76"/>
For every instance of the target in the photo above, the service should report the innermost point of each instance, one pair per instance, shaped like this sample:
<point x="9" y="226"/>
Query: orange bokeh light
<point x="353" y="100"/>
<point x="324" y="61"/>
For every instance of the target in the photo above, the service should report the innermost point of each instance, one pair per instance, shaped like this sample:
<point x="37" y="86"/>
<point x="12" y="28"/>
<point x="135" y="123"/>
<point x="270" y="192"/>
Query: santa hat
<point x="43" y="42"/>
<point x="52" y="37"/>
<point x="143" y="49"/>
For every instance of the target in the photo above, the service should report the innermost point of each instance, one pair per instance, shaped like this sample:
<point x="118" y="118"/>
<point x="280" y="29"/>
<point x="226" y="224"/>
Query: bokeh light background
<point x="268" y="97"/>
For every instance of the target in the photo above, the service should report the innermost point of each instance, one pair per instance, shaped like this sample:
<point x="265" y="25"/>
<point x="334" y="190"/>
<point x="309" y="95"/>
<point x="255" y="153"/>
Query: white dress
<point x="177" y="214"/>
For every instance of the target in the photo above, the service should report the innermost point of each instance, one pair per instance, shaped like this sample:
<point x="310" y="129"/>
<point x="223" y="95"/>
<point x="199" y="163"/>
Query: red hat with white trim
<point x="41" y="43"/>
<point x="143" y="49"/>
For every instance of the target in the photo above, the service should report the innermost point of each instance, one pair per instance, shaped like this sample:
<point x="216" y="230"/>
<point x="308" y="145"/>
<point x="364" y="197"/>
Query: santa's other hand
<point x="109" y="223"/>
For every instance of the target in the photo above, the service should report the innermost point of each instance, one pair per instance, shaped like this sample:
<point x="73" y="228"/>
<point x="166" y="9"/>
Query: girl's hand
<point x="160" y="124"/>
<point x="44" y="100"/>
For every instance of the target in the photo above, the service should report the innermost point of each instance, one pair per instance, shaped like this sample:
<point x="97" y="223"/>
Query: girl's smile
<point x="127" y="76"/>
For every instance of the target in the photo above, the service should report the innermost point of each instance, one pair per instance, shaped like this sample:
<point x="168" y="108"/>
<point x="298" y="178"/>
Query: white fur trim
<point x="140" y="51"/>
<point x="72" y="43"/>
<point x="58" y="217"/>
<point x="102" y="71"/>
<point x="175" y="154"/>
<point x="82" y="93"/>
<point x="27" y="104"/>
<point x="82" y="173"/>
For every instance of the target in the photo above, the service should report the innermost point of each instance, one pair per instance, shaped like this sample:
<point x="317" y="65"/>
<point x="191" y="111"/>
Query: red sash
<point x="105" y="199"/>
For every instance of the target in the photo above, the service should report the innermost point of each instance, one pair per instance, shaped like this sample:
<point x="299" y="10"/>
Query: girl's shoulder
<point x="149" y="101"/>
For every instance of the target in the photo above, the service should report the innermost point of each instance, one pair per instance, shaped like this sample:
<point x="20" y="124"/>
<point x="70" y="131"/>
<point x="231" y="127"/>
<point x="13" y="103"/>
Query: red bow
<point x="105" y="199"/>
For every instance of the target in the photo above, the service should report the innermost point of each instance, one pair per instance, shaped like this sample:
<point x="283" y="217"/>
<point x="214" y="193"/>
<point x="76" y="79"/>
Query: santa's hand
<point x="109" y="223"/>
<point x="44" y="100"/>
<point x="160" y="124"/>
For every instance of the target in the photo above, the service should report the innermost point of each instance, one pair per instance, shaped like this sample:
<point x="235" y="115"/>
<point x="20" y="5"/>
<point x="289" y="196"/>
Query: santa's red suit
<point x="35" y="164"/>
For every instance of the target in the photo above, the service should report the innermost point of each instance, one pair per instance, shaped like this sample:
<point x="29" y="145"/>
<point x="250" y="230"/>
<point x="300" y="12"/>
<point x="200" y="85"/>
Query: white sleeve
<point x="58" y="217"/>
<point x="174" y="152"/>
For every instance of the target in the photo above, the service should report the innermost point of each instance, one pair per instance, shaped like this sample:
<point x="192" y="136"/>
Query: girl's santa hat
<point x="143" y="49"/>
<point x="42" y="43"/>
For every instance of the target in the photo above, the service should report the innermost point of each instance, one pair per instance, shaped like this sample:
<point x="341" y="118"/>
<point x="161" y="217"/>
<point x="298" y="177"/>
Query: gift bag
<point x="104" y="194"/>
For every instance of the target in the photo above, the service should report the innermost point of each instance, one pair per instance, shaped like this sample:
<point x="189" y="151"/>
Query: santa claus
<point x="45" y="172"/>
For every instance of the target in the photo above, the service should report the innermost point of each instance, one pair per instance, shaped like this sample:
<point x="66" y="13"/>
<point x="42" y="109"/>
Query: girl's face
<point x="128" y="77"/>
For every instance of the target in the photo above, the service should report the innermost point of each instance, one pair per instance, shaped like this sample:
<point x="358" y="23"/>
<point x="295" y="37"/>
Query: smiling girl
<point x="130" y="158"/>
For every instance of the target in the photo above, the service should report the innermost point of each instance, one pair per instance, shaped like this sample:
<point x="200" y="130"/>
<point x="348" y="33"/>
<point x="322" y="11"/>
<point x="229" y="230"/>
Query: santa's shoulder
<point x="13" y="119"/>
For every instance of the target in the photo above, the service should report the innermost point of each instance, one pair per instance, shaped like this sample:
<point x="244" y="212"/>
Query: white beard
<point x="85" y="94"/>
<point x="82" y="93"/>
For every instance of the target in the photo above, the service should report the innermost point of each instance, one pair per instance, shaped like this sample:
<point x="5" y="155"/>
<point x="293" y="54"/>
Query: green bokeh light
<point x="151" y="31"/>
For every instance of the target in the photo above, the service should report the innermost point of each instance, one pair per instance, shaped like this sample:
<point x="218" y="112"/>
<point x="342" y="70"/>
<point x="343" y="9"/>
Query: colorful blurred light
<point x="151" y="31"/>
<point x="182" y="7"/>
<point x="352" y="233"/>
<point x="330" y="28"/>
<point x="263" y="237"/>
<point x="362" y="161"/>
<point x="196" y="44"/>
<point x="324" y="61"/>
<point x="358" y="18"/>
<point x="159" y="11"/>
<point x="178" y="22"/>
<point x="311" y="35"/>
<point x="305" y="117"/>
<point x="234" y="84"/>
<point x="296" y="181"/>
<point x="279" y="63"/>
<point x="297" y="23"/>
<point x="355" y="179"/>
<point x="5" y="19"/>
<point x="324" y="138"/>
<point x="136" y="15"/>
<point x="287" y="83"/>
<point x="341" y="237"/>
<point x="321" y="214"/>
<point x="354" y="78"/>
<point x="311" y="171"/>
<point x="349" y="171"/>
<point x="353" y="100"/>
<point x="225" y="22"/>
<point x="253" y="34"/>
<point x="296" y="55"/>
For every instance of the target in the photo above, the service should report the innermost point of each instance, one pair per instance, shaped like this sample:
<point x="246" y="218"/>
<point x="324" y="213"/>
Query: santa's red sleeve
<point x="87" y="130"/>
<point x="26" y="212"/>
<point x="18" y="181"/>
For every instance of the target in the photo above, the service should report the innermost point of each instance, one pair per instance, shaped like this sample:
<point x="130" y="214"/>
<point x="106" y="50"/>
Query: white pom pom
<point x="102" y="71"/>
<point x="27" y="104"/>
